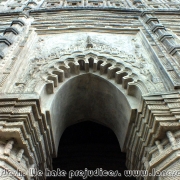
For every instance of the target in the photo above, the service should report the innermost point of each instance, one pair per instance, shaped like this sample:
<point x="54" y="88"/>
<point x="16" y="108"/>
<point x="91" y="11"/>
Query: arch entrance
<point x="91" y="146"/>
<point x="89" y="96"/>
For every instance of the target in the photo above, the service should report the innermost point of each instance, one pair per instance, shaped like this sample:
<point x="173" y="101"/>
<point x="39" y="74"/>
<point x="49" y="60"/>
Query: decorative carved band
<point x="29" y="141"/>
<point x="151" y="138"/>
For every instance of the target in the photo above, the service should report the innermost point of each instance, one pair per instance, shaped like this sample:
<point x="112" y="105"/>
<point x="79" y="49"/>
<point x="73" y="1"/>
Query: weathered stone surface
<point x="116" y="62"/>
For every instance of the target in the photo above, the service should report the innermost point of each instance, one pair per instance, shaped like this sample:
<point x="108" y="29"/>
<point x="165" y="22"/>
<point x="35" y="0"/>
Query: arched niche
<point x="90" y="96"/>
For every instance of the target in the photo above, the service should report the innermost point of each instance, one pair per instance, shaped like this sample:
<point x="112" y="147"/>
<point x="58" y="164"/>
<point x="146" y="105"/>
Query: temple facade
<point x="114" y="61"/>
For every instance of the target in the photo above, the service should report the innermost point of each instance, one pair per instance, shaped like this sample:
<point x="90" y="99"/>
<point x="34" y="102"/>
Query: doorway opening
<point x="92" y="146"/>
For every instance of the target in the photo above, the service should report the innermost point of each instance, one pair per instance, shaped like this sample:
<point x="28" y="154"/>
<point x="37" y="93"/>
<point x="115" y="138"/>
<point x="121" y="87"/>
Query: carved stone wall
<point x="117" y="62"/>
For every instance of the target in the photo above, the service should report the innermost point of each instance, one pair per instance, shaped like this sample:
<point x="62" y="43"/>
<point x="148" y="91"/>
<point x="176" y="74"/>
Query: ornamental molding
<point x="154" y="136"/>
<point x="25" y="136"/>
<point x="53" y="66"/>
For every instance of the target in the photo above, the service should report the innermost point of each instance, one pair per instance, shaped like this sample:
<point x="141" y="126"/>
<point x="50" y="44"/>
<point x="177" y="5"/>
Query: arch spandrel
<point x="129" y="55"/>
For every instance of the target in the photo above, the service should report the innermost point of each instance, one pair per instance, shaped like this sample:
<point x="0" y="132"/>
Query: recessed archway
<point x="91" y="96"/>
<point x="91" y="146"/>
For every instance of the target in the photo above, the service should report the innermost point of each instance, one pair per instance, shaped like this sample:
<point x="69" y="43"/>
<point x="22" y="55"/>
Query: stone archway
<point x="91" y="87"/>
<point x="90" y="96"/>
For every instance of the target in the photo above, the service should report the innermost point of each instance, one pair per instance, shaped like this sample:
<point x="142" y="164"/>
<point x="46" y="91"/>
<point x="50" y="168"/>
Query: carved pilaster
<point x="29" y="143"/>
<point x="151" y="134"/>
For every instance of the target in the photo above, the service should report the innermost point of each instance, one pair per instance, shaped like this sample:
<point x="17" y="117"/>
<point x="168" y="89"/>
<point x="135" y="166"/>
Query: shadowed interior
<point x="90" y="145"/>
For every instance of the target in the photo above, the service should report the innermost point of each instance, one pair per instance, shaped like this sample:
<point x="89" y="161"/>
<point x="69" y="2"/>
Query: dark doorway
<point x="92" y="146"/>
